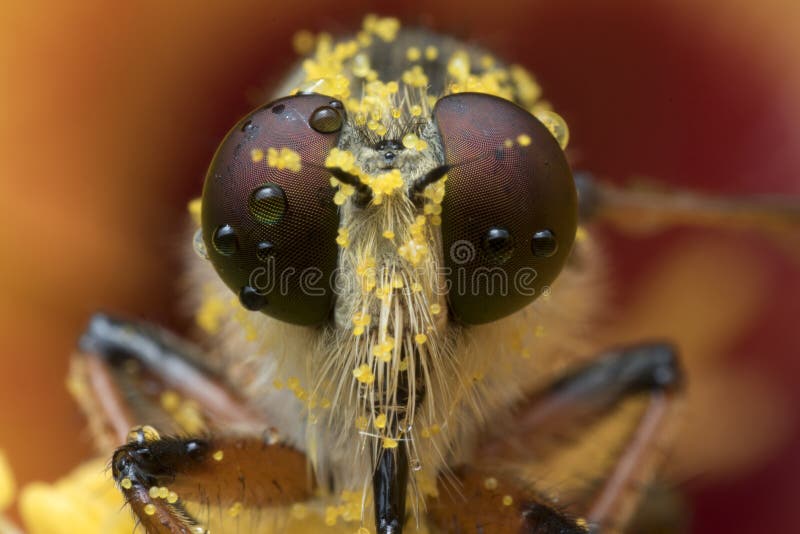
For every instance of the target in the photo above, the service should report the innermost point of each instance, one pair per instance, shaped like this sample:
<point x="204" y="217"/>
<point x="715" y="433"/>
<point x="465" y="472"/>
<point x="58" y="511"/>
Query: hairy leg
<point x="136" y="374"/>
<point x="575" y="456"/>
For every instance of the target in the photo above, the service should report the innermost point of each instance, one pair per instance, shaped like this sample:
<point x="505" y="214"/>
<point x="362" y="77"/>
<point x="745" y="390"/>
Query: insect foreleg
<point x="167" y="363"/>
<point x="592" y="439"/>
<point x="158" y="476"/>
<point x="640" y="210"/>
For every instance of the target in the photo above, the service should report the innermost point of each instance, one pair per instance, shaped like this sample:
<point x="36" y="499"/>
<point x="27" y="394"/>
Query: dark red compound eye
<point x="509" y="213"/>
<point x="268" y="217"/>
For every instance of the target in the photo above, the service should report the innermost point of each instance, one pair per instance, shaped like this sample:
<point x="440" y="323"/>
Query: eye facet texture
<point x="269" y="221"/>
<point x="509" y="213"/>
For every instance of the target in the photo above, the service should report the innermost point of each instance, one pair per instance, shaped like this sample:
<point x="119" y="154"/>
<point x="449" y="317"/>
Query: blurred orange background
<point x="110" y="114"/>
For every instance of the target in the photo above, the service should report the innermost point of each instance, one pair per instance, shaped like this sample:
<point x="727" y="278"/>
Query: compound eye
<point x="268" y="217"/>
<point x="509" y="213"/>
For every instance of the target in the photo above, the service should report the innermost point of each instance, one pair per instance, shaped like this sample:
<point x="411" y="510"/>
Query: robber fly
<point x="395" y="276"/>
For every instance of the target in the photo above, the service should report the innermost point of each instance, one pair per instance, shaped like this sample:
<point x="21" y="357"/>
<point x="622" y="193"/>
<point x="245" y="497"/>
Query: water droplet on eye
<point x="267" y="204"/>
<point x="247" y="126"/>
<point x="326" y="120"/>
<point x="251" y="299"/>
<point x="415" y="464"/>
<point x="498" y="244"/>
<point x="199" y="245"/>
<point x="264" y="250"/>
<point x="278" y="109"/>
<point x="544" y="244"/>
<point x="225" y="241"/>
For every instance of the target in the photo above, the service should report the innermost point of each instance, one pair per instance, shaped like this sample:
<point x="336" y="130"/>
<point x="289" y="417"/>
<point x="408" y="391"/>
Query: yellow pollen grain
<point x="389" y="443"/>
<point x="195" y="208"/>
<point x="415" y="77"/>
<point x="126" y="483"/>
<point x="556" y="124"/>
<point x="508" y="143"/>
<point x="410" y="140"/>
<point x="508" y="500"/>
<point x="299" y="511"/>
<point x="420" y="339"/>
<point x="235" y="509"/>
<point x="361" y="66"/>
<point x="413" y="53"/>
<point x="490" y="483"/>
<point x="256" y="155"/>
<point x="284" y="158"/>
<point x="303" y="42"/>
<point x="384" y="28"/>
<point x="403" y="365"/>
<point x="153" y="492"/>
<point x="581" y="234"/>
<point x="431" y="53"/>
<point x="524" y="139"/>
<point x="277" y="384"/>
<point x="388" y="234"/>
<point x="416" y="110"/>
<point x="416" y="287"/>
<point x="170" y="400"/>
<point x="149" y="509"/>
<point x="459" y="65"/>
<point x="363" y="374"/>
<point x="343" y="238"/>
<point x="163" y="493"/>
<point x="218" y="456"/>
<point x="172" y="497"/>
<point x="581" y="522"/>
<point x="380" y="421"/>
<point x="435" y="309"/>
<point x="361" y="422"/>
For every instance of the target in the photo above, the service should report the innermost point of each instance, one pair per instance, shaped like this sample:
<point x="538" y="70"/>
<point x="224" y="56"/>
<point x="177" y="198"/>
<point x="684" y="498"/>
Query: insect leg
<point x="121" y="377"/>
<point x="127" y="368"/>
<point x="581" y="449"/>
<point x="638" y="210"/>
<point x="496" y="502"/>
<point x="159" y="476"/>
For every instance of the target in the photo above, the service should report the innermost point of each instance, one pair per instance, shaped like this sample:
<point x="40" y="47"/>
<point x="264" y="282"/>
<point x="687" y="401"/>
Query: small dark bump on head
<point x="278" y="109"/>
<point x="252" y="299"/>
<point x="388" y="144"/>
<point x="544" y="244"/>
<point x="247" y="126"/>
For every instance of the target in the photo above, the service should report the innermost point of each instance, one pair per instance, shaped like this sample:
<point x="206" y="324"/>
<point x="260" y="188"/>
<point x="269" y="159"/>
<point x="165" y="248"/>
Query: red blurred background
<point x="110" y="115"/>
